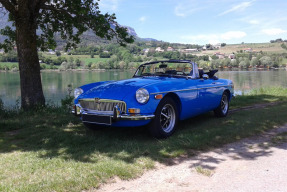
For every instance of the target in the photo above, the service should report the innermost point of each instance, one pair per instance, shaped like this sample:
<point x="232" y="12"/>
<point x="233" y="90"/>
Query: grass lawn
<point x="9" y="65"/>
<point x="50" y="150"/>
<point x="85" y="58"/>
<point x="96" y="59"/>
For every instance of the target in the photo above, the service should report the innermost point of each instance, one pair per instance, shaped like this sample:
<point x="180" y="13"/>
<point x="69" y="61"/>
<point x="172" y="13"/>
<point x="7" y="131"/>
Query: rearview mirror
<point x="205" y="76"/>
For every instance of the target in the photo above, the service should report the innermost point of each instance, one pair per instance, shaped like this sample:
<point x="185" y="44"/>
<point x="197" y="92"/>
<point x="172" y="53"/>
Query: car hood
<point x="118" y="90"/>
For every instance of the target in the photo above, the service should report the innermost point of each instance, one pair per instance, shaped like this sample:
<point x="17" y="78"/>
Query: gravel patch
<point x="257" y="163"/>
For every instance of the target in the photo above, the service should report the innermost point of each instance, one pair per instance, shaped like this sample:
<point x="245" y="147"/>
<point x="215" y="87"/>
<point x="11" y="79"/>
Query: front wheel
<point x="166" y="118"/>
<point x="222" y="109"/>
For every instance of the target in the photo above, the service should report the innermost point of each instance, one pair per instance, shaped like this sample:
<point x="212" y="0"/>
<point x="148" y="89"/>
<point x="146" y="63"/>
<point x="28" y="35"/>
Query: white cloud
<point x="186" y="9"/>
<point x="240" y="7"/>
<point x="254" y="22"/>
<point x="215" y="38"/>
<point x="273" y="31"/>
<point x="232" y="35"/>
<point x="201" y="37"/>
<point x="109" y="5"/>
<point x="142" y="19"/>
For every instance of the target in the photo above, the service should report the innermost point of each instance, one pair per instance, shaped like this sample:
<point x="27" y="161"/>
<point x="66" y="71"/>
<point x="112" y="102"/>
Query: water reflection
<point x="55" y="84"/>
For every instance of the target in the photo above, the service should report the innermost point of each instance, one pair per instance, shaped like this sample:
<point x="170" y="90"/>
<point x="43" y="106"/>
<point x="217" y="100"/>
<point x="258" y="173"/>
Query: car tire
<point x="223" y="108"/>
<point x="166" y="119"/>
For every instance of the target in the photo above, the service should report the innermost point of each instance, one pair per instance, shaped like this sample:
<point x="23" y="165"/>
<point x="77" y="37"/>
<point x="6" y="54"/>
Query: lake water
<point x="55" y="84"/>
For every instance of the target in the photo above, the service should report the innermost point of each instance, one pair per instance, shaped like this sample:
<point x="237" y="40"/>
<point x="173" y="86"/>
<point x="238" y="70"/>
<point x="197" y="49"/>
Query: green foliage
<point x="261" y="95"/>
<point x="203" y="64"/>
<point x="58" y="53"/>
<point x="254" y="62"/>
<point x="1" y="106"/>
<point x="10" y="56"/>
<point x="283" y="45"/>
<point x="105" y="55"/>
<point x="265" y="61"/>
<point x="9" y="43"/>
<point x="63" y="17"/>
<point x="279" y="40"/>
<point x="67" y="102"/>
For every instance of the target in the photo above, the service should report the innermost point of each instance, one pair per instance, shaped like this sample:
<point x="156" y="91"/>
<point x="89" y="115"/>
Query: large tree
<point x="34" y="24"/>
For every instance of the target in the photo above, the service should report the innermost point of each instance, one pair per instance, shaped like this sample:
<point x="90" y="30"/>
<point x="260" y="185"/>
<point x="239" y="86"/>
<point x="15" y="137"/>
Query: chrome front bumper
<point x="115" y="115"/>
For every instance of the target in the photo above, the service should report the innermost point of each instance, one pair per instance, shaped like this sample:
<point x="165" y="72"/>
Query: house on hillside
<point x="51" y="52"/>
<point x="170" y="49"/>
<point x="231" y="56"/>
<point x="220" y="55"/>
<point x="217" y="46"/>
<point x="159" y="49"/>
<point x="248" y="50"/>
<point x="145" y="51"/>
<point x="189" y="50"/>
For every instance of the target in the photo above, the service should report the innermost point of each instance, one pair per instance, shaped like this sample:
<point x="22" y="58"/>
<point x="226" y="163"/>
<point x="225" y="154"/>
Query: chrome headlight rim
<point x="77" y="92"/>
<point x="142" y="96"/>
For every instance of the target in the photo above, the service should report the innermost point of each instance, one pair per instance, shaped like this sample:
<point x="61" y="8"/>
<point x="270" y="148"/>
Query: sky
<point x="202" y="21"/>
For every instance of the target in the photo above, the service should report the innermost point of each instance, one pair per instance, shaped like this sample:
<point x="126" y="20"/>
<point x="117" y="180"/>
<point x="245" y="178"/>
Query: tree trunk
<point x="29" y="66"/>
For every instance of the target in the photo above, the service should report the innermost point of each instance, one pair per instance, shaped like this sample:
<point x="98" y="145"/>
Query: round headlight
<point x="142" y="95"/>
<point x="77" y="92"/>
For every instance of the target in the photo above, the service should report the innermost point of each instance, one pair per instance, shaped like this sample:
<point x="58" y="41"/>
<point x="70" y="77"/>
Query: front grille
<point x="102" y="104"/>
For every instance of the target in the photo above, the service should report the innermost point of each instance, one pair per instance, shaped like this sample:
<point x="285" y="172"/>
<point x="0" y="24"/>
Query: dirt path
<point x="253" y="164"/>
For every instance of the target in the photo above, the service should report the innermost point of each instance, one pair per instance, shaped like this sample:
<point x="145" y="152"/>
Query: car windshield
<point x="164" y="69"/>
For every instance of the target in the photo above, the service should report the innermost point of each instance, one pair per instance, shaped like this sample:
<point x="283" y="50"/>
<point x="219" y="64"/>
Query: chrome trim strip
<point x="187" y="89"/>
<point x="94" y="112"/>
<point x="134" y="117"/>
<point x="97" y="123"/>
<point x="101" y="100"/>
<point x="128" y="117"/>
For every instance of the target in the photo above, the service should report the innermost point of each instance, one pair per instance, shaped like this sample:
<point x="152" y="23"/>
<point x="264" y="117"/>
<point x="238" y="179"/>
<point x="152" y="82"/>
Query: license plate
<point x="97" y="119"/>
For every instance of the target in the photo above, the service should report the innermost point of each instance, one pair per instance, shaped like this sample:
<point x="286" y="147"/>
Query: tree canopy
<point x="34" y="25"/>
<point x="69" y="19"/>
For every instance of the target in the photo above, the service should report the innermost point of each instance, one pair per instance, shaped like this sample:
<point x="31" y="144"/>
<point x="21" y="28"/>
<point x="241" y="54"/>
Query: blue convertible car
<point x="158" y="95"/>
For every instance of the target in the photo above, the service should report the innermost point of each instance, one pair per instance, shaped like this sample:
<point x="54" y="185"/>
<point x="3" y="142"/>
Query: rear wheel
<point x="222" y="109"/>
<point x="166" y="118"/>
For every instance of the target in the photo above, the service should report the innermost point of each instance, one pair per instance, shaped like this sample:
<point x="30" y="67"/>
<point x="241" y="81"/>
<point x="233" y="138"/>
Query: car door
<point x="209" y="93"/>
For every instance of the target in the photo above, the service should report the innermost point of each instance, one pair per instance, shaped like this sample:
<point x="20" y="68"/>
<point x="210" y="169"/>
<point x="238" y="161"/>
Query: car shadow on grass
<point x="61" y="135"/>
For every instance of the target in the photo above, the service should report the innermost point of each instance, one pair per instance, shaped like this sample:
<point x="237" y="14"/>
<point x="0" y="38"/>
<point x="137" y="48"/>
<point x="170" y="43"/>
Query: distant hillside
<point x="88" y="38"/>
<point x="147" y="39"/>
<point x="256" y="47"/>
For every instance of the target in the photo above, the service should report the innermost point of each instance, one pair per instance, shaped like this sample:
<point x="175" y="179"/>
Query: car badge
<point x="97" y="100"/>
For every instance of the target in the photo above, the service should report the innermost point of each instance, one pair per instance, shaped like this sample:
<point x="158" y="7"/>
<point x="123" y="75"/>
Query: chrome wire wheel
<point x="167" y="118"/>
<point x="224" y="104"/>
<point x="223" y="107"/>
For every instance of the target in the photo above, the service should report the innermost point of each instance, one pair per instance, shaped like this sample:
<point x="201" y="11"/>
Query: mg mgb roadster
<point x="158" y="95"/>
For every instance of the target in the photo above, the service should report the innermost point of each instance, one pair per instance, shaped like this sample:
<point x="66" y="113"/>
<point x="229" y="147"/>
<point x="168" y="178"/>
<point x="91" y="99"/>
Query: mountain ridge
<point x="88" y="35"/>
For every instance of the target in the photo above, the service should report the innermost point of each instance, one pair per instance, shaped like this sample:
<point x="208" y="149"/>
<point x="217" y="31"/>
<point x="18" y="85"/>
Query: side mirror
<point x="205" y="76"/>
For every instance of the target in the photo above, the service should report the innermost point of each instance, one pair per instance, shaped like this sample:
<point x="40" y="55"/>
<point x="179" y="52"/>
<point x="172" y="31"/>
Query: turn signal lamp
<point x="134" y="110"/>
<point x="158" y="96"/>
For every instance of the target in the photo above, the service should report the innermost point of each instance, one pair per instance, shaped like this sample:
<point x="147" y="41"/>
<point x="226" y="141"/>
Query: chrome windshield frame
<point x="194" y="75"/>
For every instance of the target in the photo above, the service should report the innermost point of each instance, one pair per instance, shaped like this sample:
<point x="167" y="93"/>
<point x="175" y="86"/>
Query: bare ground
<point x="254" y="164"/>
